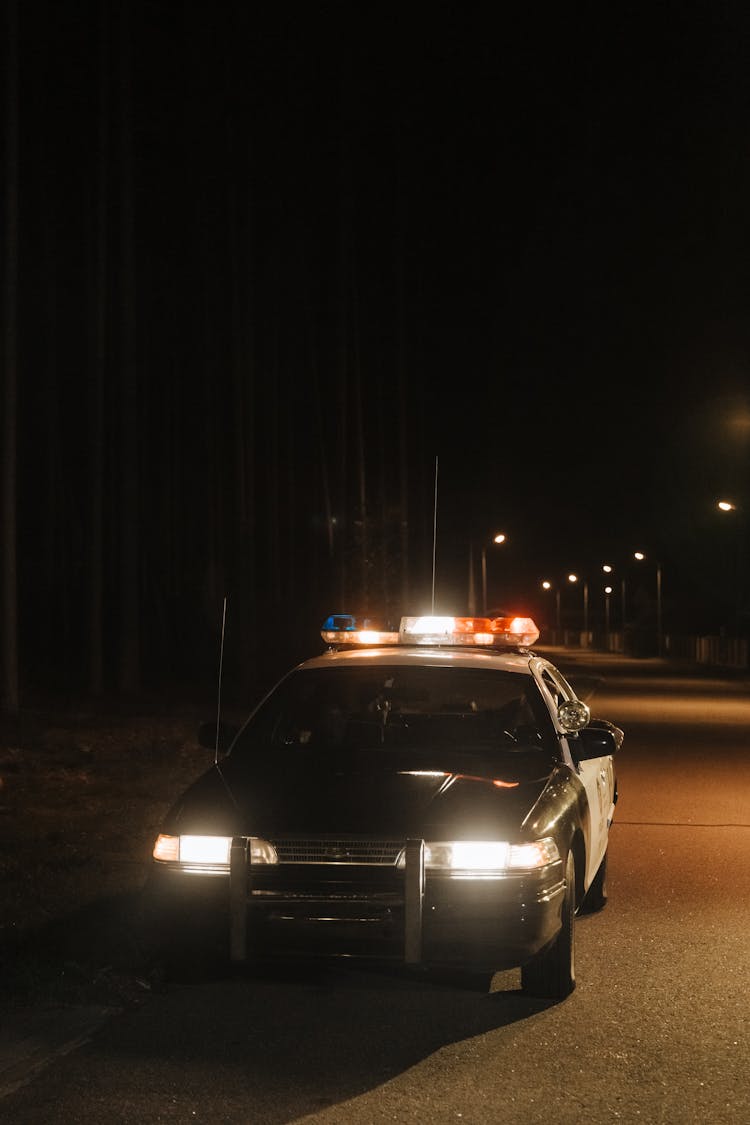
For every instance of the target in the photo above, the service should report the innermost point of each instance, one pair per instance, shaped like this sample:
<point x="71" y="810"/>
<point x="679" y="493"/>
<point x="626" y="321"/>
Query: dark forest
<point x="264" y="272"/>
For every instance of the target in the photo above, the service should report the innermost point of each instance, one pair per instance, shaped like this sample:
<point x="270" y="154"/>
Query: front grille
<point x="326" y="850"/>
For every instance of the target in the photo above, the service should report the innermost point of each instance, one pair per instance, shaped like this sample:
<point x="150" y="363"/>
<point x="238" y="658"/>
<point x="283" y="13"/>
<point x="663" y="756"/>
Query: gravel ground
<point x="82" y="793"/>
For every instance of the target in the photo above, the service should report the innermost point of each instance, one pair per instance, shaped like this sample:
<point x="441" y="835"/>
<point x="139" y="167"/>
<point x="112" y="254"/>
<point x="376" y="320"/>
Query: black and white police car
<point x="436" y="795"/>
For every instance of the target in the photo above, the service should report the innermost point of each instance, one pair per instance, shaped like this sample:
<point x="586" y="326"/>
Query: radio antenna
<point x="434" y="536"/>
<point x="221" y="668"/>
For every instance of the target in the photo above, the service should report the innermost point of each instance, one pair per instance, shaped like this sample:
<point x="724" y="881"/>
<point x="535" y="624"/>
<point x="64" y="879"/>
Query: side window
<point x="539" y="707"/>
<point x="557" y="690"/>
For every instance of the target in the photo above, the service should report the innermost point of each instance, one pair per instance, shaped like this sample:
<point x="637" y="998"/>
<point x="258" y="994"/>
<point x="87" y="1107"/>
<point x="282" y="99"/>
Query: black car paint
<point x="521" y="792"/>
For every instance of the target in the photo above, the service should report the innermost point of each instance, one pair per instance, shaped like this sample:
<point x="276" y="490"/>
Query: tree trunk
<point x="10" y="685"/>
<point x="99" y="359"/>
<point x="402" y="371"/>
<point x="129" y="677"/>
<point x="239" y="237"/>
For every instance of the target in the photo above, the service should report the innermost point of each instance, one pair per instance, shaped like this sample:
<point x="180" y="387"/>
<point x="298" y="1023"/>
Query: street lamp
<point x="609" y="570"/>
<point x="738" y="514"/>
<point x="498" y="538"/>
<point x="573" y="578"/>
<point x="640" y="556"/>
<point x="547" y="585"/>
<point x="607" y="592"/>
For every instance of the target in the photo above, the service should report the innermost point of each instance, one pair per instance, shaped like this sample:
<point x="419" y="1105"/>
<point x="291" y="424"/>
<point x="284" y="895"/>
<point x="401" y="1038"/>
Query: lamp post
<point x="609" y="570"/>
<point x="547" y="585"/>
<point x="498" y="538"/>
<point x="573" y="578"/>
<point x="607" y="592"/>
<point x="640" y="556"/>
<point x="729" y="507"/>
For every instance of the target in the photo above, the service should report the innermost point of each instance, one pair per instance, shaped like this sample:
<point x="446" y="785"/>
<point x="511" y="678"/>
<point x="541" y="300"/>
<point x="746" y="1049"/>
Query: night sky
<point x="530" y="226"/>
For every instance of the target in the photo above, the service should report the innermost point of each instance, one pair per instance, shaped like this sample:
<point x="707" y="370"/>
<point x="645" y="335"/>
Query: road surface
<point x="656" y="1030"/>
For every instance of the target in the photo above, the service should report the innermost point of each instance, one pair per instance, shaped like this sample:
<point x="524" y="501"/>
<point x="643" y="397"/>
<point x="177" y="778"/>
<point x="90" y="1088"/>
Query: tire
<point x="596" y="895"/>
<point x="552" y="973"/>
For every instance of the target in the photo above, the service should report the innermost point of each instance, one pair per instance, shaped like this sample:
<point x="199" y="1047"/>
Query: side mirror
<point x="604" y="724"/>
<point x="594" y="742"/>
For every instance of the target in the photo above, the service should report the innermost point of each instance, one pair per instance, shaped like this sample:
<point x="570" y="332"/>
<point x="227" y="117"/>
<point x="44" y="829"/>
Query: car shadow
<point x="301" y="1036"/>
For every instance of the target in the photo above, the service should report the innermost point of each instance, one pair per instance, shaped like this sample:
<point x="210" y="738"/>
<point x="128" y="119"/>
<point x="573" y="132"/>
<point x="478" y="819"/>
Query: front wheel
<point x="552" y="973"/>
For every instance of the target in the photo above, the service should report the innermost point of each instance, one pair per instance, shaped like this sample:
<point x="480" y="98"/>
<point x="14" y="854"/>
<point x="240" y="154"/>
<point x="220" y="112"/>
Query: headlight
<point x="467" y="855"/>
<point x="487" y="857"/>
<point x="205" y="849"/>
<point x="208" y="852"/>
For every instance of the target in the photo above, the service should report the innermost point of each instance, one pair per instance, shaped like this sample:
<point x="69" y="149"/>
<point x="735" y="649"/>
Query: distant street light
<point x="498" y="538"/>
<point x="607" y="592"/>
<point x="573" y="578"/>
<point x="607" y="568"/>
<point x="730" y="506"/>
<point x="640" y="557"/>
<point x="547" y="585"/>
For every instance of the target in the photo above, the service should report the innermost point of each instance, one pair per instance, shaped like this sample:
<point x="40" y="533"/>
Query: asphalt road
<point x="656" y="1030"/>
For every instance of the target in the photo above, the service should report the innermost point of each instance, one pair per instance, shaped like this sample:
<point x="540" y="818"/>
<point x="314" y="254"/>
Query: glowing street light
<point x="607" y="592"/>
<point x="640" y="557"/>
<point x="739" y="519"/>
<point x="573" y="578"/>
<point x="499" y="538"/>
<point x="547" y="585"/>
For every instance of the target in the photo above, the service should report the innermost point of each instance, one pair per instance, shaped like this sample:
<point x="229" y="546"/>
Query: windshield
<point x="401" y="706"/>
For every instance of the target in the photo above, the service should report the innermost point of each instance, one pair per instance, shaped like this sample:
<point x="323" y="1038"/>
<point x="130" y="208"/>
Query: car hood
<point x="366" y="794"/>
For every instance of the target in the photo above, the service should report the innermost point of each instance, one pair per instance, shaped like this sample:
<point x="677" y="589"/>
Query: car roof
<point x="425" y="656"/>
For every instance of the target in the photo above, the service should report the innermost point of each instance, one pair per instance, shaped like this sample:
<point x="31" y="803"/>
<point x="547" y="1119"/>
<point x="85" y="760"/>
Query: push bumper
<point x="494" y="922"/>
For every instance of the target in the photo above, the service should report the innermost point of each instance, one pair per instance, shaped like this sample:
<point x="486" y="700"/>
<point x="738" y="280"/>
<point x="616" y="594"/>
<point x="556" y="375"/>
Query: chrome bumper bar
<point x="240" y="889"/>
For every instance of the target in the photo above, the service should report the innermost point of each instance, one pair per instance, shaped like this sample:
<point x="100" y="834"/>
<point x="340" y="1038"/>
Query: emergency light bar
<point x="497" y="632"/>
<point x="344" y="628"/>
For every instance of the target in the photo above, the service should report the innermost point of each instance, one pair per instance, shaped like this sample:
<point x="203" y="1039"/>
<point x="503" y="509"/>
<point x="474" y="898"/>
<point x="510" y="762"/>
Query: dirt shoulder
<point x="82" y="794"/>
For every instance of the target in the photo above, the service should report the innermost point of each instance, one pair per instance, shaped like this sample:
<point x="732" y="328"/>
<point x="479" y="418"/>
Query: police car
<point x="435" y="794"/>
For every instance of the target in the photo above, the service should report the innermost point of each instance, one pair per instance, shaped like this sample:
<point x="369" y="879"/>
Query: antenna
<point x="434" y="536"/>
<point x="221" y="667"/>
